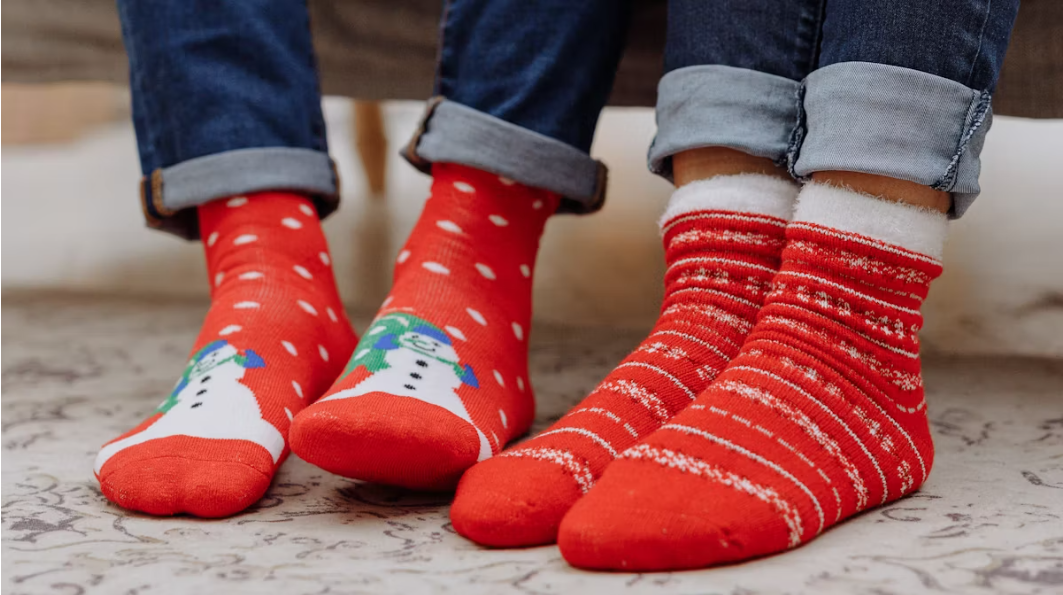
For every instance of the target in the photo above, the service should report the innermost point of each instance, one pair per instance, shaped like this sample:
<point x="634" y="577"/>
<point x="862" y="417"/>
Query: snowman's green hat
<point x="383" y="336"/>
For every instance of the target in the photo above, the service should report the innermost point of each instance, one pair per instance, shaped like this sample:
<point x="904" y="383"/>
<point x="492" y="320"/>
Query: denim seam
<point x="797" y="135"/>
<point x="318" y="126"/>
<point x="151" y="219"/>
<point x="136" y="85"/>
<point x="815" y="22"/>
<point x="441" y="44"/>
<point x="409" y="151"/>
<point x="981" y="42"/>
<point x="976" y="116"/>
<point x="336" y="181"/>
<point x="156" y="194"/>
<point x="600" y="185"/>
<point x="572" y="169"/>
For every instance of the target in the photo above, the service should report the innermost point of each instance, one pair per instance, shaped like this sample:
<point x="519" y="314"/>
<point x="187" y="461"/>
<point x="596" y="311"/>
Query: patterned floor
<point x="79" y="369"/>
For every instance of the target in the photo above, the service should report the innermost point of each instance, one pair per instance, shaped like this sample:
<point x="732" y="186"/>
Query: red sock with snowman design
<point x="440" y="378"/>
<point x="273" y="340"/>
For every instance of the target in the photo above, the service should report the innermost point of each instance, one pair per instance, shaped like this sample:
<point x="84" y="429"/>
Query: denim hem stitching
<point x="977" y="114"/>
<point x="797" y="136"/>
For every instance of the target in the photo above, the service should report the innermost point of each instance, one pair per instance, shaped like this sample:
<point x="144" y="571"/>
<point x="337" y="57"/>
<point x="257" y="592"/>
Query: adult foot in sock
<point x="821" y="415"/>
<point x="722" y="239"/>
<point x="274" y="339"/>
<point x="440" y="379"/>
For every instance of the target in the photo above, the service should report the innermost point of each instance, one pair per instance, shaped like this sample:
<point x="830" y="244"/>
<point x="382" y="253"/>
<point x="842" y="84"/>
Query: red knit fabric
<point x="274" y="338"/>
<point x="720" y="264"/>
<point x="440" y="379"/>
<point x="820" y="417"/>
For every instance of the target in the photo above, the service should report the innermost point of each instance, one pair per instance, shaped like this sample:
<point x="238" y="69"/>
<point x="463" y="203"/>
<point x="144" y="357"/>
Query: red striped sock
<point x="274" y="338"/>
<point x="440" y="379"/>
<point x="722" y="242"/>
<point x="821" y="415"/>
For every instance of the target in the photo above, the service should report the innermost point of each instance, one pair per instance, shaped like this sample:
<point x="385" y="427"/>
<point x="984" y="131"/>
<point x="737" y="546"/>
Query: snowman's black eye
<point x="194" y="405"/>
<point x="422" y="363"/>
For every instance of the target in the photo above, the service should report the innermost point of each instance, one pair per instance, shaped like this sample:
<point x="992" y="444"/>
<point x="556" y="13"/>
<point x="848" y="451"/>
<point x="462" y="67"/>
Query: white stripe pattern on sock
<point x="606" y="413"/>
<point x="715" y="292"/>
<point x="714" y="259"/>
<point x="662" y="372"/>
<point x="748" y="218"/>
<point x="852" y="237"/>
<point x="637" y="393"/>
<point x="798" y="324"/>
<point x="696" y="341"/>
<point x="687" y="464"/>
<point x="831" y="414"/>
<point x="867" y="398"/>
<point x="580" y="472"/>
<point x="809" y="427"/>
<point x="587" y="433"/>
<point x="848" y="290"/>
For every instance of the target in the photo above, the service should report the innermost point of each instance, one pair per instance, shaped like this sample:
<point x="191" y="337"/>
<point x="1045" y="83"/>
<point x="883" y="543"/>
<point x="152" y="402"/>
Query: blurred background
<point x="74" y="224"/>
<point x="101" y="311"/>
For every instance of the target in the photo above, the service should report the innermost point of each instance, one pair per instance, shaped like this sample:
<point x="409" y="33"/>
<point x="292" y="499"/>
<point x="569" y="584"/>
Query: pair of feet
<point x="438" y="382"/>
<point x="778" y="394"/>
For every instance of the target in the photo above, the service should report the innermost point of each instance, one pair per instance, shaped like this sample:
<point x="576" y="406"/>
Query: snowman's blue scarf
<point x="248" y="360"/>
<point x="465" y="374"/>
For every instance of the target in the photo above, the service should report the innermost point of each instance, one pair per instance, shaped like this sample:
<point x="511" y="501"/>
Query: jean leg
<point x="903" y="89"/>
<point x="960" y="40"/>
<point x="225" y="101"/>
<point x="519" y="88"/>
<point x="733" y="72"/>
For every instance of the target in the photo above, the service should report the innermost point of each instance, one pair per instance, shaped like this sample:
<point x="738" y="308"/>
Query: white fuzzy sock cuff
<point x="909" y="227"/>
<point x="744" y="193"/>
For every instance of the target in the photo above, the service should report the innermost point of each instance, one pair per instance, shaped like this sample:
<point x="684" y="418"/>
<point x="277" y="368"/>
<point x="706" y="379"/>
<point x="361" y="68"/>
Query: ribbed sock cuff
<point x="910" y="227"/>
<point x="744" y="193"/>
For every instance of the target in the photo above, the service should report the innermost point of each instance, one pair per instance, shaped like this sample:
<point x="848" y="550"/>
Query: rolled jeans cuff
<point x="895" y="122"/>
<point x="169" y="194"/>
<point x="454" y="133"/>
<point x="723" y="106"/>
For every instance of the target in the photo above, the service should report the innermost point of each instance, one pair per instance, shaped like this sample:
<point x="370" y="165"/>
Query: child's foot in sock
<point x="440" y="379"/>
<point x="820" y="417"/>
<point x="722" y="242"/>
<point x="275" y="337"/>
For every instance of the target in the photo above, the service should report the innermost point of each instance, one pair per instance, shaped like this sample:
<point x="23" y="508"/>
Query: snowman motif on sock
<point x="407" y="356"/>
<point x="209" y="401"/>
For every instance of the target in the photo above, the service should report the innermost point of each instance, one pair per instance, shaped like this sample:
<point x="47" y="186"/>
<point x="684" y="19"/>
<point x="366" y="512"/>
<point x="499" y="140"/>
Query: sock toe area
<point x="386" y="439"/>
<point x="184" y="475"/>
<point x="665" y="520"/>
<point x="513" y="502"/>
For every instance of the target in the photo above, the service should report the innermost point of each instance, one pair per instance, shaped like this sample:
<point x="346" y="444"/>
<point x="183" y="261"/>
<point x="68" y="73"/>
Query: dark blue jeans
<point x="225" y="101"/>
<point x="897" y="88"/>
<point x="225" y="94"/>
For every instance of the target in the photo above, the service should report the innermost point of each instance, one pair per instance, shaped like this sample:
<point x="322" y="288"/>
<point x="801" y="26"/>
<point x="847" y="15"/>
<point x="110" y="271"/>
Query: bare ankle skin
<point x="887" y="188"/>
<point x="707" y="162"/>
<point x="702" y="164"/>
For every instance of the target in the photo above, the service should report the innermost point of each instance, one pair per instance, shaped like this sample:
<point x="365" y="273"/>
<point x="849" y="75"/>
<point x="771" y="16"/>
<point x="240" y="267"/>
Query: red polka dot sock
<point x="440" y="378"/>
<point x="274" y="339"/>
<point x="821" y="415"/>
<point x="722" y="240"/>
